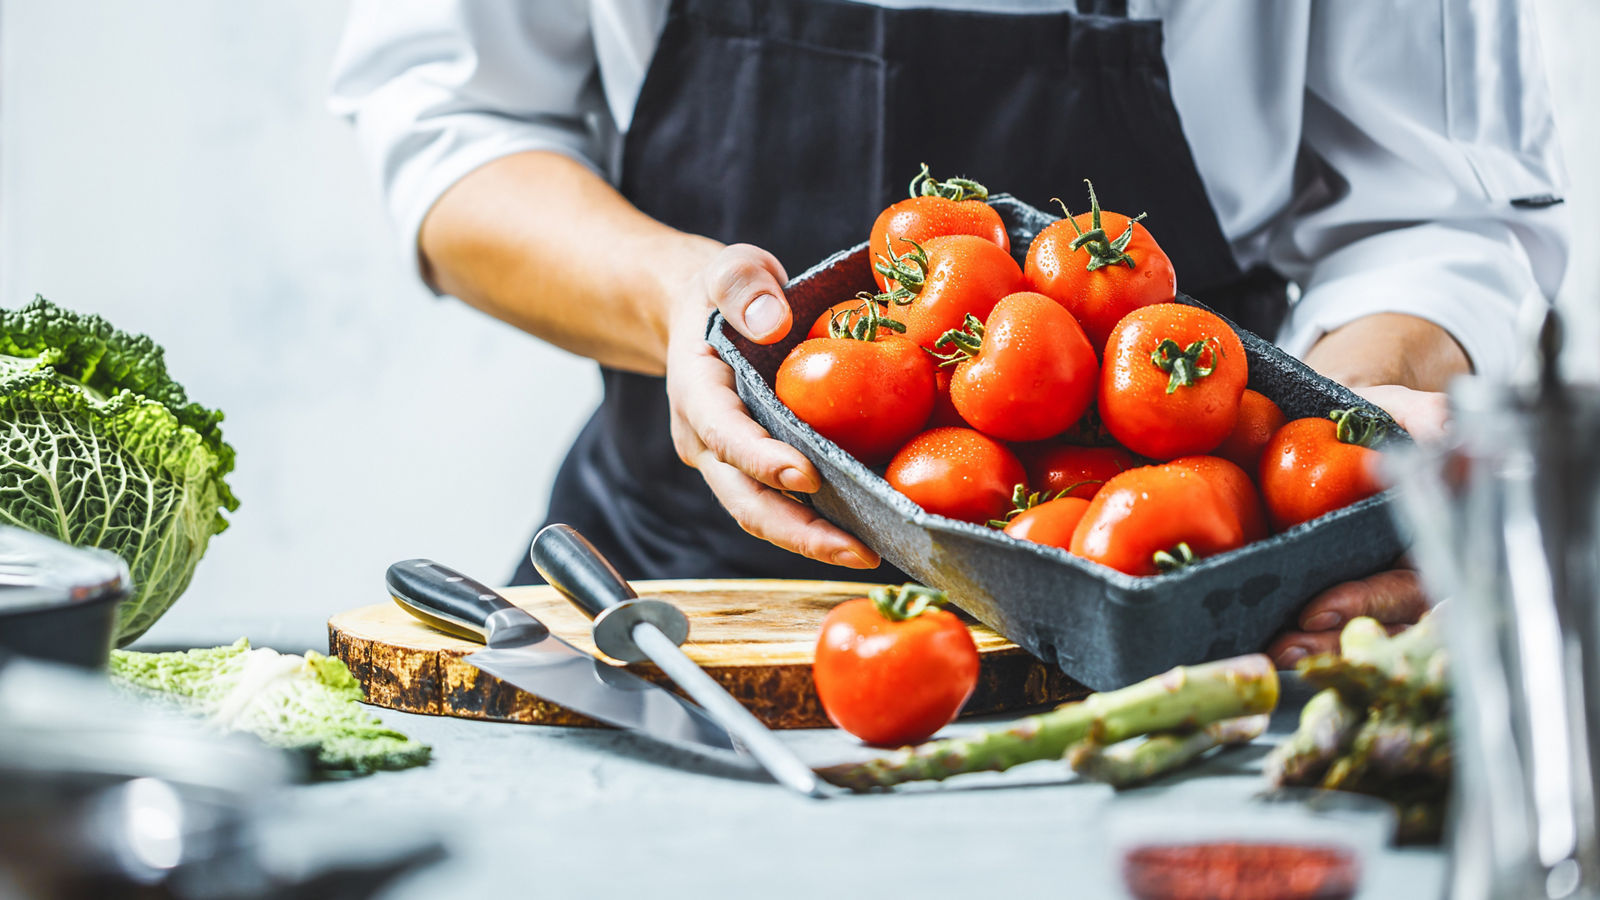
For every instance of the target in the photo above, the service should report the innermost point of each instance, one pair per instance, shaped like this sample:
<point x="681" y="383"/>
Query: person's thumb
<point x="746" y="284"/>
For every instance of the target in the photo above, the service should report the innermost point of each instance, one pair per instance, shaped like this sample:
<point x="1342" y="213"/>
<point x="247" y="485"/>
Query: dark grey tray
<point x="1102" y="627"/>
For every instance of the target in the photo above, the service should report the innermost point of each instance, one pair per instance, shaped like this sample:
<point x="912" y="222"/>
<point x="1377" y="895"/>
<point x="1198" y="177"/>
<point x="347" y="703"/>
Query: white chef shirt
<point x="1431" y="115"/>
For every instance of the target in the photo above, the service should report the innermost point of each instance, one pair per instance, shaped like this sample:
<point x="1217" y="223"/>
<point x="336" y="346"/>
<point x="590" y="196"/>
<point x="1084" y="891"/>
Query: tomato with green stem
<point x="1098" y="278"/>
<point x="1312" y="466"/>
<point x="956" y="472"/>
<point x="1025" y="373"/>
<point x="866" y="390"/>
<point x="845" y="315"/>
<point x="1042" y="517"/>
<point x="1172" y="380"/>
<point x="892" y="668"/>
<point x="937" y="208"/>
<point x="935" y="285"/>
<point x="1155" y="519"/>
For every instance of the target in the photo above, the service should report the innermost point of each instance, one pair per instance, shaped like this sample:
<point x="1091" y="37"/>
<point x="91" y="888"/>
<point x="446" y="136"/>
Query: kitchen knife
<point x="521" y="651"/>
<point x="633" y="629"/>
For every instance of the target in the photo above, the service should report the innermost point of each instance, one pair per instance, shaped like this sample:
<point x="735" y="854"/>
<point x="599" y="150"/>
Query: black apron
<point x="789" y="124"/>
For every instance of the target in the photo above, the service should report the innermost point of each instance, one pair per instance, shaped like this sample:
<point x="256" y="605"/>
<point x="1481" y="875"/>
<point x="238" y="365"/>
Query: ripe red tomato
<point x="1236" y="486"/>
<point x="1080" y="471"/>
<point x="893" y="668"/>
<point x="937" y="208"/>
<point x="845" y="314"/>
<point x="1172" y="380"/>
<point x="1314" y="466"/>
<point x="867" y="394"/>
<point x="956" y="472"/>
<point x="1259" y="417"/>
<point x="944" y="411"/>
<point x="1100" y="266"/>
<point x="943" y="281"/>
<point x="1052" y="522"/>
<point x="1029" y="371"/>
<point x="1157" y="518"/>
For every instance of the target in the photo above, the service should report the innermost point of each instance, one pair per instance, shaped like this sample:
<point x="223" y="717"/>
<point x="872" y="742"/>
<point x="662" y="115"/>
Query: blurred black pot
<point x="58" y="602"/>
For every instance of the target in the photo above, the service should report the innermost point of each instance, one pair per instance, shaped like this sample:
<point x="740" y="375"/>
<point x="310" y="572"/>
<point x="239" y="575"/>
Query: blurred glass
<point x="1503" y="521"/>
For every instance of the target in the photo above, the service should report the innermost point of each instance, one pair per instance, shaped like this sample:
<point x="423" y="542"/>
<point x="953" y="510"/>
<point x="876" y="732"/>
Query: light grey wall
<point x="169" y="165"/>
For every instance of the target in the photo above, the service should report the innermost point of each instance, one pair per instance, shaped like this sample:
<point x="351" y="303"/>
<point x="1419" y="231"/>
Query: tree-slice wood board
<point x="755" y="637"/>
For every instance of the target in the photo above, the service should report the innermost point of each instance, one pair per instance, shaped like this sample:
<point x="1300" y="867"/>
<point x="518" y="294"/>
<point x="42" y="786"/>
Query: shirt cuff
<point x="1470" y="283"/>
<point x="449" y="148"/>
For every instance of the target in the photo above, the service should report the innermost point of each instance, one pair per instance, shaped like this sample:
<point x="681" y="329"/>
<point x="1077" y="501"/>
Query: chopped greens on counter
<point x="309" y="702"/>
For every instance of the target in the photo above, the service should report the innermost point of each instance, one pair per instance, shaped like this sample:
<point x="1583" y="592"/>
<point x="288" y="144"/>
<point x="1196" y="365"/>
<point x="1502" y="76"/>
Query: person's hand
<point x="746" y="468"/>
<point x="1423" y="414"/>
<point x="1395" y="597"/>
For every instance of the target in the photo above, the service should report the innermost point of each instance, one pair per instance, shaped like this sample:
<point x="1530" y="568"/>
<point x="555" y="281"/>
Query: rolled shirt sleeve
<point x="436" y="89"/>
<point x="1433" y="169"/>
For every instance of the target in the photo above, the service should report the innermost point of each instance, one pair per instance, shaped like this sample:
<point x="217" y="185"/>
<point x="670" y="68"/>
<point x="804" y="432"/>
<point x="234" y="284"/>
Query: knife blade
<point x="521" y="651"/>
<point x="633" y="628"/>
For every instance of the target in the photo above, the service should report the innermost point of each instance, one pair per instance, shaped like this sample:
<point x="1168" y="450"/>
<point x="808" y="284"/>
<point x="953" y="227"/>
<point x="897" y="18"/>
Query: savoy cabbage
<point x="99" y="447"/>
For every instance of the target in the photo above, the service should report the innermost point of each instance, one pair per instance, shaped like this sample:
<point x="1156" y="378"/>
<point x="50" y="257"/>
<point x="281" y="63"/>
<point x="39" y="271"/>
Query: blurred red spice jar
<point x="1231" y="870"/>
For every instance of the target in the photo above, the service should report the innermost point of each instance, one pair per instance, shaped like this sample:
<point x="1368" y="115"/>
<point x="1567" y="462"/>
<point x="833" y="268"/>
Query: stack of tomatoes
<point x="1068" y="401"/>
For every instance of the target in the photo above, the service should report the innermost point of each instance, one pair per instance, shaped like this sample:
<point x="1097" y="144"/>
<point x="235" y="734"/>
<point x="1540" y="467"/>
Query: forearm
<point x="1390" y="348"/>
<point x="539" y="241"/>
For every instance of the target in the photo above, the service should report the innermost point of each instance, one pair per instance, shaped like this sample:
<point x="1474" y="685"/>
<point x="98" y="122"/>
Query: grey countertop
<point x="557" y="812"/>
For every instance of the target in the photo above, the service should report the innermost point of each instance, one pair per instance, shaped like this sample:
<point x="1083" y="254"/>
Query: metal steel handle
<point x="574" y="567"/>
<point x="452" y="602"/>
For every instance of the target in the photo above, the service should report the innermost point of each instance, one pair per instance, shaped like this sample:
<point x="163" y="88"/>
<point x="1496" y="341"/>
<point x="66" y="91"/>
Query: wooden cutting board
<point x="755" y="637"/>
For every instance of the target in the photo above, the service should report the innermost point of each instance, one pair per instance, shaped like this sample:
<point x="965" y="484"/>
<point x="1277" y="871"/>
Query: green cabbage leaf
<point x="99" y="447"/>
<point x="309" y="702"/>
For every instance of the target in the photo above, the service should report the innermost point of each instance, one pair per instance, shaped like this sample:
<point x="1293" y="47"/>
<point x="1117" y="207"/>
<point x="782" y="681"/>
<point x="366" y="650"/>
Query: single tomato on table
<point x="1025" y="373"/>
<point x="867" y="392"/>
<point x="956" y="472"/>
<point x="1259" y="418"/>
<point x="1171" y="382"/>
<point x="935" y="285"/>
<point x="937" y="208"/>
<point x="1156" y="519"/>
<point x="1314" y="466"/>
<point x="1100" y="266"/>
<point x="893" y="668"/>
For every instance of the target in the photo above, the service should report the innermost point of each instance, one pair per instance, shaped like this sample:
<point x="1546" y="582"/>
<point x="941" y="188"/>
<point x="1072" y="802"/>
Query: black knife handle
<point x="452" y="602"/>
<point x="574" y="567"/>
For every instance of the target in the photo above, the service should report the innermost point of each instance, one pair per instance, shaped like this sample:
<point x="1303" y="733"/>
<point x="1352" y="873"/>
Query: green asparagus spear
<point x="1186" y="697"/>
<point x="1134" y="762"/>
<point x="1327" y="725"/>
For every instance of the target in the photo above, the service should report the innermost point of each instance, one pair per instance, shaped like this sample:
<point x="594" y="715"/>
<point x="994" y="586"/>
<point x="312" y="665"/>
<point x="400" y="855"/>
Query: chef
<point x="1375" y="184"/>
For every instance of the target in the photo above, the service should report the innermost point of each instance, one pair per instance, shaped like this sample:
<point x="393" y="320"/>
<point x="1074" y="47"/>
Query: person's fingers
<point x="1394" y="597"/>
<point x="1291" y="647"/>
<point x="1424" y="414"/>
<point x="746" y="283"/>
<point x="708" y="416"/>
<point x="772" y="517"/>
